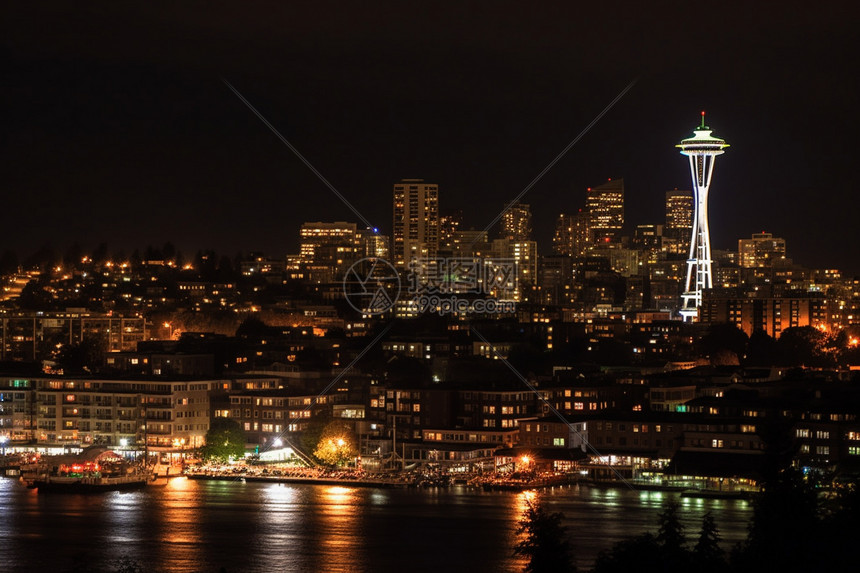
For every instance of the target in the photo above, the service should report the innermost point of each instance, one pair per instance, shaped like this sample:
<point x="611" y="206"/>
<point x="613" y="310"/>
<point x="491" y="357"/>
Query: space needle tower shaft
<point x="702" y="150"/>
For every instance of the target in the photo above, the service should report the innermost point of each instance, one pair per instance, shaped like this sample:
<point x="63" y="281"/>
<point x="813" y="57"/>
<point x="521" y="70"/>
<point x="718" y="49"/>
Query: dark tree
<point x="84" y="357"/>
<point x="168" y="251"/>
<point x="225" y="439"/>
<point x="100" y="254"/>
<point x="408" y="370"/>
<point x="761" y="350"/>
<point x="545" y="543"/>
<point x="670" y="538"/>
<point x="640" y="553"/>
<point x="784" y="533"/>
<point x="666" y="552"/>
<point x="708" y="556"/>
<point x="802" y="346"/>
<point x="722" y="338"/>
<point x="45" y="258"/>
<point x="255" y="330"/>
<point x="73" y="256"/>
<point x="152" y="254"/>
<point x="34" y="297"/>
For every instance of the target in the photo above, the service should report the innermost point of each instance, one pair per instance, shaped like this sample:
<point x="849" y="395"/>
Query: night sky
<point x="116" y="125"/>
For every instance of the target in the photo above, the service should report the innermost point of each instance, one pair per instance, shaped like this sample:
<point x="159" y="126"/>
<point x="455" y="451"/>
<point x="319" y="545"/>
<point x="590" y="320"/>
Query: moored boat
<point x="95" y="469"/>
<point x="89" y="483"/>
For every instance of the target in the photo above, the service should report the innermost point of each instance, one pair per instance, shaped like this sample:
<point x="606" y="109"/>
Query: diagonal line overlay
<point x="298" y="154"/>
<point x="558" y="157"/>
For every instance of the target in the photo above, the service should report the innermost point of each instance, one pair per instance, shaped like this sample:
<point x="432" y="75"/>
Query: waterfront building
<point x="162" y="415"/>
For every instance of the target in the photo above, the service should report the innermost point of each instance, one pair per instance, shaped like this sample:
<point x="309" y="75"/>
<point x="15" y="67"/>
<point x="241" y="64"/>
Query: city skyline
<point x="369" y="287"/>
<point x="477" y="105"/>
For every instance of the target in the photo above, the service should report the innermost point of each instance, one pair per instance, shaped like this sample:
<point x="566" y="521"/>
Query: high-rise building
<point x="470" y="243"/>
<point x="516" y="222"/>
<point x="555" y="278"/>
<point x="679" y="210"/>
<point x="649" y="237"/>
<point x="761" y="250"/>
<point x="679" y="221"/>
<point x="702" y="149"/>
<point x="372" y="244"/>
<point x="416" y="221"/>
<point x="327" y="249"/>
<point x="581" y="234"/>
<point x="524" y="255"/>
<point x="571" y="234"/>
<point x="562" y="240"/>
<point x="605" y="207"/>
<point x="450" y="221"/>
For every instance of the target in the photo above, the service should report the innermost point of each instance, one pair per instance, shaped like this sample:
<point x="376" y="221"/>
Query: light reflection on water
<point x="189" y="526"/>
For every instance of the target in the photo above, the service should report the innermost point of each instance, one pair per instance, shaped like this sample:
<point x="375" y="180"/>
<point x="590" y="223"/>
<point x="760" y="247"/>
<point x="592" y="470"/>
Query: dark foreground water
<point x="191" y="526"/>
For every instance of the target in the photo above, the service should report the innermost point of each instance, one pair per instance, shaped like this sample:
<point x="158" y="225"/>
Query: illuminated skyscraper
<point x="571" y="234"/>
<point x="702" y="149"/>
<point x="517" y="222"/>
<point x="416" y="221"/>
<point x="679" y="222"/>
<point x="562" y="240"/>
<point x="605" y="207"/>
<point x="372" y="244"/>
<point x="327" y="249"/>
<point x="679" y="210"/>
<point x="450" y="221"/>
<point x="761" y="250"/>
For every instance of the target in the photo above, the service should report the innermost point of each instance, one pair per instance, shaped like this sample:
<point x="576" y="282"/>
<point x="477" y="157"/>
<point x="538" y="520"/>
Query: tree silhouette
<point x="803" y="346"/>
<point x="722" y="338"/>
<point x="784" y="533"/>
<point x="545" y="543"/>
<point x="708" y="556"/>
<point x="761" y="350"/>
<point x="34" y="297"/>
<point x="84" y="357"/>
<point x="670" y="538"/>
<point x="666" y="552"/>
<point x="640" y="553"/>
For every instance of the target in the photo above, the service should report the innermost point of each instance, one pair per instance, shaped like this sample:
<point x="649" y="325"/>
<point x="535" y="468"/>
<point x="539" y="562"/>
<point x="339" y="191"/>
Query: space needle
<point x="702" y="149"/>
